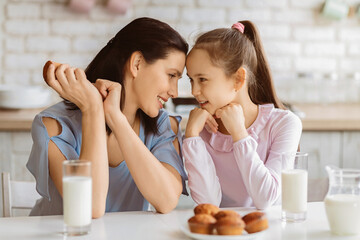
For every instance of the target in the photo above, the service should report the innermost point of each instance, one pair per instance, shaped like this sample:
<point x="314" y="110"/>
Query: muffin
<point x="225" y="213"/>
<point x="230" y="225"/>
<point x="255" y="222"/>
<point x="202" y="223"/>
<point x="206" y="208"/>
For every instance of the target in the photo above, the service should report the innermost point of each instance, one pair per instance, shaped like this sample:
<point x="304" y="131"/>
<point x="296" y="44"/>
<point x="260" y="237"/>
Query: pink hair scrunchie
<point x="238" y="26"/>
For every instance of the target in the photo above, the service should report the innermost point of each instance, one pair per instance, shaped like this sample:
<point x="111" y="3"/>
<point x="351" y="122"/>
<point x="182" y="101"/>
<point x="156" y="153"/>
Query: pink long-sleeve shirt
<point x="243" y="173"/>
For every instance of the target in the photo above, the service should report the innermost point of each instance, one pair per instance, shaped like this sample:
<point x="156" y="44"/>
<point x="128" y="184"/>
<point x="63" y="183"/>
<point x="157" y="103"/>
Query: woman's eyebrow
<point x="177" y="72"/>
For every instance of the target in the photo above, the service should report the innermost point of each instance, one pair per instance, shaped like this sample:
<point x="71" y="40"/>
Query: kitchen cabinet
<point x="351" y="150"/>
<point x="324" y="148"/>
<point x="339" y="148"/>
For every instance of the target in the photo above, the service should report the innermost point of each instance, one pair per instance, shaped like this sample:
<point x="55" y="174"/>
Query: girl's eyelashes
<point x="202" y="79"/>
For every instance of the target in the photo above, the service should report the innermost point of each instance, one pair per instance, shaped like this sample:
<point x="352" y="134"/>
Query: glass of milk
<point x="77" y="197"/>
<point x="342" y="202"/>
<point x="294" y="182"/>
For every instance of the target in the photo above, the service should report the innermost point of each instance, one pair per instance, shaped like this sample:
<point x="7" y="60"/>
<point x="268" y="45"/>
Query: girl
<point x="233" y="142"/>
<point x="135" y="160"/>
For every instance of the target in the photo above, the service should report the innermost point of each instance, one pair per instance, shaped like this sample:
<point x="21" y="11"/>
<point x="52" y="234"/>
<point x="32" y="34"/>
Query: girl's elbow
<point x="265" y="203"/>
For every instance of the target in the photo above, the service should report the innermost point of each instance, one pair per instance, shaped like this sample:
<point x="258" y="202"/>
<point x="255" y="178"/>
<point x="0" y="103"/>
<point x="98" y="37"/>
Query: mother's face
<point x="158" y="82"/>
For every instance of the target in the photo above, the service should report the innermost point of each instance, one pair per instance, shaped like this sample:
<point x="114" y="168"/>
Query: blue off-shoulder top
<point x="123" y="194"/>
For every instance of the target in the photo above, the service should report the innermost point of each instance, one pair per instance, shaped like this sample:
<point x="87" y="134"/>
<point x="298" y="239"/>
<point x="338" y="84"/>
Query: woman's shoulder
<point x="61" y="113"/>
<point x="167" y="120"/>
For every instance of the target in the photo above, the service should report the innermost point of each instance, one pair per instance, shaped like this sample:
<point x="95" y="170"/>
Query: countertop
<point x="151" y="225"/>
<point x="330" y="117"/>
<point x="17" y="120"/>
<point x="317" y="117"/>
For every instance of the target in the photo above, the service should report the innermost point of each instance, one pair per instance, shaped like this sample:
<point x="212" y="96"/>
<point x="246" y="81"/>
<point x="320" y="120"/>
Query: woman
<point x="118" y="124"/>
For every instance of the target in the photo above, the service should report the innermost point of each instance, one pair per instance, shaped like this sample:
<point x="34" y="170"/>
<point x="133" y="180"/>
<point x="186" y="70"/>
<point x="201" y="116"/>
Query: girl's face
<point x="210" y="86"/>
<point x="158" y="82"/>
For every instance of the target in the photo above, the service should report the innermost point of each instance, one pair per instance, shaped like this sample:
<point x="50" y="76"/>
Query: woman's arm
<point x="72" y="85"/>
<point x="158" y="182"/>
<point x="203" y="182"/>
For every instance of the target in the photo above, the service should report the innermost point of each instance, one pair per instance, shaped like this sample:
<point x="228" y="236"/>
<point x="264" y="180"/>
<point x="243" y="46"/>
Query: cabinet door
<point x="324" y="148"/>
<point x="351" y="149"/>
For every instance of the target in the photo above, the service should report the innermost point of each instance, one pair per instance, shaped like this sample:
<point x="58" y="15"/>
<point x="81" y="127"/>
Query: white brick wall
<point x="296" y="37"/>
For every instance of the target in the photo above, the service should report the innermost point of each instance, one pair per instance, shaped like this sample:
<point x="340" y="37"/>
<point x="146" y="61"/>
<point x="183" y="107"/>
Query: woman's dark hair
<point x="230" y="49"/>
<point x="153" y="38"/>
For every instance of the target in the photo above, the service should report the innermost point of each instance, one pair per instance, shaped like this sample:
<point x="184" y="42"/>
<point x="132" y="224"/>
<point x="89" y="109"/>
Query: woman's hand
<point x="72" y="84"/>
<point x="111" y="94"/>
<point x="232" y="116"/>
<point x="197" y="119"/>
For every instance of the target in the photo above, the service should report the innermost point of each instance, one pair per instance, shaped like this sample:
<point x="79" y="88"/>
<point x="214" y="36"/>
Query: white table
<point x="150" y="225"/>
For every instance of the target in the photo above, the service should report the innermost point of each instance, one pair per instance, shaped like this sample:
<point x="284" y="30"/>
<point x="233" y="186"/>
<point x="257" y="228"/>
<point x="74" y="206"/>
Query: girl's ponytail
<point x="262" y="91"/>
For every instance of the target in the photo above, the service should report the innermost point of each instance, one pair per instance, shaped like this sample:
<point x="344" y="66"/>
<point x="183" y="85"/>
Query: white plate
<point x="245" y="236"/>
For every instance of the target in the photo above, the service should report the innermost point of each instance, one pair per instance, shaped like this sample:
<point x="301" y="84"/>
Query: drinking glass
<point x="77" y="197"/>
<point x="294" y="182"/>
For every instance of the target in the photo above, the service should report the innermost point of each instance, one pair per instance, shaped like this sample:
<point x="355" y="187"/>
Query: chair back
<point x="17" y="194"/>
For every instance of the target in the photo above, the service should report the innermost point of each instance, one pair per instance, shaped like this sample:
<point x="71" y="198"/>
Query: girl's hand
<point x="232" y="116"/>
<point x="197" y="119"/>
<point x="111" y="94"/>
<point x="72" y="84"/>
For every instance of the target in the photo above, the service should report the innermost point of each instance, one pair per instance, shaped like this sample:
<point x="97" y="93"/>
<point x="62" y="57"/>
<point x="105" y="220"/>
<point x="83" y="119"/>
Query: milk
<point x="294" y="190"/>
<point x="343" y="213"/>
<point x="77" y="201"/>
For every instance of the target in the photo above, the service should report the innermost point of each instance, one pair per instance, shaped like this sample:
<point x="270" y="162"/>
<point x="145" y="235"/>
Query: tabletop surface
<point x="151" y="225"/>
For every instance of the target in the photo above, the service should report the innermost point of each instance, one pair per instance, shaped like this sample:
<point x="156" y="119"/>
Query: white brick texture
<point x="315" y="64"/>
<point x="14" y="44"/>
<point x="23" y="10"/>
<point x="296" y="37"/>
<point x="350" y="35"/>
<point x="350" y="65"/>
<point x="60" y="11"/>
<point x="87" y="44"/>
<point x="21" y="27"/>
<point x="252" y="15"/>
<point x="325" y="49"/>
<point x="314" y="33"/>
<point x="48" y="44"/>
<point x="21" y="77"/>
<point x="220" y="3"/>
<point x="162" y="13"/>
<point x="294" y="16"/>
<point x="354" y="49"/>
<point x="187" y="3"/>
<point x="203" y="15"/>
<point x="308" y="4"/>
<point x="24" y="61"/>
<point x="282" y="48"/>
<point x="267" y="3"/>
<point x="274" y="31"/>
